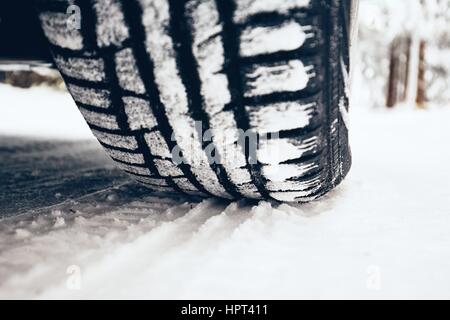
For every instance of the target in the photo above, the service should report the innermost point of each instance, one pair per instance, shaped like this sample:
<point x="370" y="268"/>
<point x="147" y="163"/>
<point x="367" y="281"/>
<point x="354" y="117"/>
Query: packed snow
<point x="384" y="233"/>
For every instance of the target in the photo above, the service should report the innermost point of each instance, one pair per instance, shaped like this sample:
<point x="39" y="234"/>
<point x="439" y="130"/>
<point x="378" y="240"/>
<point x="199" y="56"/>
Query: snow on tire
<point x="174" y="89"/>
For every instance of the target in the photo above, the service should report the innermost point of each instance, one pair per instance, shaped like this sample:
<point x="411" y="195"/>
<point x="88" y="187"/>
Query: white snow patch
<point x="281" y="172"/>
<point x="40" y="112"/>
<point x="264" y="40"/>
<point x="281" y="116"/>
<point x="273" y="151"/>
<point x="266" y="79"/>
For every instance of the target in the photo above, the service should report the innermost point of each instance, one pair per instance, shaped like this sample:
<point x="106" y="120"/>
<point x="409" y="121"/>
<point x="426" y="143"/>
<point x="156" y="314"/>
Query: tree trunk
<point x="421" y="94"/>
<point x="392" y="84"/>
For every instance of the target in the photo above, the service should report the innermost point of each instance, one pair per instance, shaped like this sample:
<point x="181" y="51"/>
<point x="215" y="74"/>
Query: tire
<point x="148" y="75"/>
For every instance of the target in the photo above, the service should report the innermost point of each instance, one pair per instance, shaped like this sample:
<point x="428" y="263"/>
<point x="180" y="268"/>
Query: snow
<point x="382" y="234"/>
<point x="263" y="40"/>
<point x="40" y="112"/>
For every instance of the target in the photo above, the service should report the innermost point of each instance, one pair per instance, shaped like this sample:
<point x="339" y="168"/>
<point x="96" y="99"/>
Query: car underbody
<point x="24" y="45"/>
<point x="23" y="42"/>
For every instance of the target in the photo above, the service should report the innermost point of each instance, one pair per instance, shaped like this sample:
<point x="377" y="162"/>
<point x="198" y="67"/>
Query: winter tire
<point x="146" y="73"/>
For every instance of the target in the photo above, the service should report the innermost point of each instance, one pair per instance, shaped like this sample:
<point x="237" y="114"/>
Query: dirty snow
<point x="383" y="234"/>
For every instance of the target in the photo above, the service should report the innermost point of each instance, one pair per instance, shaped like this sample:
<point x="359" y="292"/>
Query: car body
<point x="24" y="43"/>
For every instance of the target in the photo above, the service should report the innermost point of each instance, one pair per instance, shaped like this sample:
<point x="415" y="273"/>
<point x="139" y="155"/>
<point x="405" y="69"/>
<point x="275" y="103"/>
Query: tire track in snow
<point x="135" y="252"/>
<point x="80" y="238"/>
<point x="159" y="252"/>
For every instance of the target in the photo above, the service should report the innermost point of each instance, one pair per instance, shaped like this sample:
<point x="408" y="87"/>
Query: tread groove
<point x="226" y="10"/>
<point x="132" y="9"/>
<point x="117" y="104"/>
<point x="188" y="69"/>
<point x="278" y="97"/>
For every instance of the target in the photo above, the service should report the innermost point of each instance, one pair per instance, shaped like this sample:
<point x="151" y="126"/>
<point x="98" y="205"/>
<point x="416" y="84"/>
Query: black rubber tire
<point x="145" y="72"/>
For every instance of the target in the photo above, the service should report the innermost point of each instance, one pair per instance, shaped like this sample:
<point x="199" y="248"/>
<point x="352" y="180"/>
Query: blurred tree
<point x="403" y="52"/>
<point x="436" y="66"/>
<point x="27" y="79"/>
<point x="421" y="87"/>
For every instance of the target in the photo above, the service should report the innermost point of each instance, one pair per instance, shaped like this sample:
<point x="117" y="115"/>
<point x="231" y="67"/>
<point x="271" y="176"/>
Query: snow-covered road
<point x="385" y="233"/>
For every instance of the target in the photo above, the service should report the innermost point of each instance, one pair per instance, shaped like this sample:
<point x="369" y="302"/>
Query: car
<point x="226" y="98"/>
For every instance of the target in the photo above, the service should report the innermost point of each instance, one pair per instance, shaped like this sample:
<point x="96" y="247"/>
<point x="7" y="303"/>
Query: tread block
<point x="281" y="116"/>
<point x="89" y="69"/>
<point x="270" y="39"/>
<point x="204" y="19"/>
<point x="184" y="184"/>
<point x="225" y="136"/>
<point x="54" y="25"/>
<point x="167" y="168"/>
<point x="208" y="50"/>
<point x="111" y="28"/>
<point x="127" y="72"/>
<point x="241" y="177"/>
<point x="116" y="140"/>
<point x="92" y="97"/>
<point x="308" y="144"/>
<point x="131" y="158"/>
<point x="311" y="183"/>
<point x="101" y="120"/>
<point x="263" y="79"/>
<point x="275" y="151"/>
<point x="282" y="172"/>
<point x="249" y="190"/>
<point x="311" y="27"/>
<point x="139" y="113"/>
<point x="134" y="169"/>
<point x="157" y="145"/>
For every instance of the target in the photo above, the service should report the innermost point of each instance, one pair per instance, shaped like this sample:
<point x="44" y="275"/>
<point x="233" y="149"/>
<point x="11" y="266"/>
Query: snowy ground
<point x="73" y="226"/>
